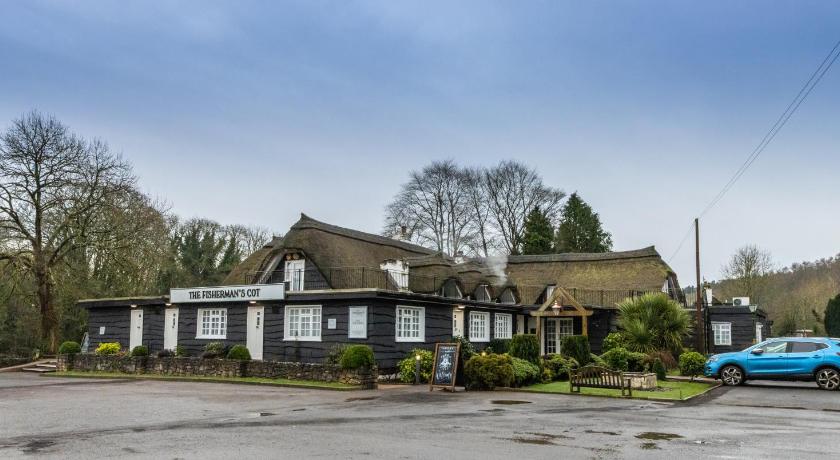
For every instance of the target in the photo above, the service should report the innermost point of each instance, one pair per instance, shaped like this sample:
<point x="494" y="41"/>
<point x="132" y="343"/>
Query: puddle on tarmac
<point x="655" y="436"/>
<point x="366" y="398"/>
<point x="611" y="433"/>
<point x="266" y="414"/>
<point x="508" y="402"/>
<point x="537" y="441"/>
<point x="649" y="446"/>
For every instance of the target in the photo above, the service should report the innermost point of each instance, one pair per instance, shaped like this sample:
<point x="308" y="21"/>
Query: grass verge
<point x="669" y="390"/>
<point x="240" y="380"/>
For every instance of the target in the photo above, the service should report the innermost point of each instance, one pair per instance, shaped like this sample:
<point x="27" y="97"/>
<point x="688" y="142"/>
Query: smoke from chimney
<point x="497" y="265"/>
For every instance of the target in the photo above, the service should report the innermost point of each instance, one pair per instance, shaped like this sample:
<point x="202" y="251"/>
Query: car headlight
<point x="713" y="359"/>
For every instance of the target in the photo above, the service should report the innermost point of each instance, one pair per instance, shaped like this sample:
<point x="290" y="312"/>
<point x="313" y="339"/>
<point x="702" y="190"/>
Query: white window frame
<point x="289" y="274"/>
<point x="221" y="314"/>
<point x="504" y="325"/>
<point x="287" y="323"/>
<point x="474" y="316"/>
<point x="483" y="292"/>
<point x="549" y="291"/>
<point x="722" y="333"/>
<point x="399" y="334"/>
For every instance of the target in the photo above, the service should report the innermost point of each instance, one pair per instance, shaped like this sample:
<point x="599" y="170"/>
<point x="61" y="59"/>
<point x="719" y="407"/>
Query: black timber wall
<point x="743" y="327"/>
<point x="117" y="322"/>
<point x="187" y="327"/>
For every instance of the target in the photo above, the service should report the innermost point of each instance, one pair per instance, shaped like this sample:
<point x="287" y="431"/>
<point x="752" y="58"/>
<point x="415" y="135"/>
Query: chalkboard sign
<point x="445" y="365"/>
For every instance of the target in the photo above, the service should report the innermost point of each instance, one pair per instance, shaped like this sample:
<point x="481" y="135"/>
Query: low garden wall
<point x="189" y="366"/>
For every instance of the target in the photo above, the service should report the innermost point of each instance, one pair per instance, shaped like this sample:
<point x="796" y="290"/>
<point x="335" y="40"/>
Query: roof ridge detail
<point x="308" y="222"/>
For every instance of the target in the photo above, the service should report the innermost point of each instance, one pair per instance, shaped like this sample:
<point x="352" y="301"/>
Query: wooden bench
<point x="599" y="377"/>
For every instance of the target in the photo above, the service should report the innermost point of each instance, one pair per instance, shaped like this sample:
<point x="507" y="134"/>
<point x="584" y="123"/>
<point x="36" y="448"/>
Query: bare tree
<point x="485" y="242"/>
<point x="249" y="238"/>
<point x="53" y="185"/>
<point x="513" y="190"/>
<point x="747" y="269"/>
<point x="434" y="209"/>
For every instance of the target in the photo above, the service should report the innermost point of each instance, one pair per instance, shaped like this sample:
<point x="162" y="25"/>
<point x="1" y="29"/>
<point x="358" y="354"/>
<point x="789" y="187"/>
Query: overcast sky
<point x="250" y="112"/>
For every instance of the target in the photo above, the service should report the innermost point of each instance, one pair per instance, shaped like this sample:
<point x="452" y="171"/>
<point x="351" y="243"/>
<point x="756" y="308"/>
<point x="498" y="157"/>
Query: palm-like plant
<point x="653" y="322"/>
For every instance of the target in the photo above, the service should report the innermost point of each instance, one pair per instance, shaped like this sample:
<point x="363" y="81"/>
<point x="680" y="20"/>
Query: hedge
<point x="488" y="372"/>
<point x="524" y="372"/>
<point x="239" y="353"/>
<point x="69" y="348"/>
<point x="357" y="357"/>
<point x="577" y="347"/>
<point x="525" y="346"/>
<point x="139" y="350"/>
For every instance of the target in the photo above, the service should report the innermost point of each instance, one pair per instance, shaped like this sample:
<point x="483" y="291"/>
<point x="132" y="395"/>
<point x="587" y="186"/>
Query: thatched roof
<point x="331" y="247"/>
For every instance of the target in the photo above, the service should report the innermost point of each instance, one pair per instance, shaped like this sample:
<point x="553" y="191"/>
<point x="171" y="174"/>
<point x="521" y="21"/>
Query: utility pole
<point x="700" y="326"/>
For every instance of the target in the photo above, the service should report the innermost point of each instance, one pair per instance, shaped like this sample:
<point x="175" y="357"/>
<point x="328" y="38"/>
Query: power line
<point x="803" y="93"/>
<point x="806" y="89"/>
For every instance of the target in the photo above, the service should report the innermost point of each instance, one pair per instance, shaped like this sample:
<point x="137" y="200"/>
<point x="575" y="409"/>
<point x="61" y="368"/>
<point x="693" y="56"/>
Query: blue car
<point x="810" y="358"/>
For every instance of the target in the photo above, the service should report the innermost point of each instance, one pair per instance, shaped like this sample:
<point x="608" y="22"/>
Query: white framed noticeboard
<point x="357" y="323"/>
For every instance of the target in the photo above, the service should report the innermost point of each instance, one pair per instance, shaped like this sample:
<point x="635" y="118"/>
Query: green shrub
<point x="467" y="348"/>
<point x="357" y="357"/>
<point x="499" y="346"/>
<point x="577" y="347"/>
<point x="659" y="368"/>
<point x="334" y="355"/>
<point x="547" y="375"/>
<point x="561" y="366"/>
<point x="488" y="372"/>
<point x="616" y="359"/>
<point x="691" y="364"/>
<point x="239" y="353"/>
<point x="406" y="366"/>
<point x="598" y="361"/>
<point x="165" y="353"/>
<point x="69" y="348"/>
<point x="107" y="348"/>
<point x="180" y="351"/>
<point x="665" y="356"/>
<point x="637" y="362"/>
<point x="524" y="372"/>
<point x="139" y="351"/>
<point x="613" y="340"/>
<point x="214" y="350"/>
<point x="525" y="346"/>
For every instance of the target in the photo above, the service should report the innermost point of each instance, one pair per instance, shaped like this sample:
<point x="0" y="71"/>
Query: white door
<point x="555" y="330"/>
<point x="170" y="329"/>
<point x="293" y="274"/>
<point x="254" y="342"/>
<point x="457" y="322"/>
<point x="135" y="335"/>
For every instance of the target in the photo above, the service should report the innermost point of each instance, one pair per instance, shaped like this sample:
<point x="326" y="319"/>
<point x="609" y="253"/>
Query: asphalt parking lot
<point x="53" y="417"/>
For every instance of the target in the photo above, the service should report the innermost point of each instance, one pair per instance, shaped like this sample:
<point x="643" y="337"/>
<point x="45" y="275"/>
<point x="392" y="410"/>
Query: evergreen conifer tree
<point x="538" y="234"/>
<point x="580" y="229"/>
<point x="832" y="317"/>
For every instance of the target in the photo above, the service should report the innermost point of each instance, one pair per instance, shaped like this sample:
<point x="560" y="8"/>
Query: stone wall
<point x="217" y="368"/>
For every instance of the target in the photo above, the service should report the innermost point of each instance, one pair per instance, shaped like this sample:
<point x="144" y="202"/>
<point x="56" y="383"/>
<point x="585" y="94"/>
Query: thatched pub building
<point x="322" y="285"/>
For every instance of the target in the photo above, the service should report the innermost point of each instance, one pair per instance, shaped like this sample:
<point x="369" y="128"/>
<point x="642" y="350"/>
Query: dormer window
<point x="451" y="289"/>
<point x="293" y="273"/>
<point x="507" y="297"/>
<point x="482" y="293"/>
<point x="549" y="291"/>
<point x="397" y="271"/>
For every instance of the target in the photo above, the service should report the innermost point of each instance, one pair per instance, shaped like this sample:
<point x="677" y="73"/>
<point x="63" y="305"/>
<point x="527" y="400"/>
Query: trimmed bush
<point x="617" y="359"/>
<point x="334" y="355"/>
<point x="659" y="368"/>
<point x="69" y="348"/>
<point x="180" y="351"/>
<point x="499" y="346"/>
<point x="577" y="347"/>
<point x="525" y="346"/>
<point x="525" y="372"/>
<point x="406" y="366"/>
<point x="107" y="348"/>
<point x="357" y="357"/>
<point x="139" y="351"/>
<point x="214" y="350"/>
<point x="239" y="353"/>
<point x="613" y="340"/>
<point x="488" y="372"/>
<point x="637" y="362"/>
<point x="165" y="353"/>
<point x="598" y="361"/>
<point x="691" y="364"/>
<point x="547" y="375"/>
<point x="467" y="348"/>
<point x="561" y="366"/>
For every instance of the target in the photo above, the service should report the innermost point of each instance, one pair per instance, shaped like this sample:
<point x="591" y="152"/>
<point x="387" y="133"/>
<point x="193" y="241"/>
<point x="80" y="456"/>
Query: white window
<point x="482" y="293"/>
<point x="508" y="297"/>
<point x="504" y="325"/>
<point x="722" y="333"/>
<point x="479" y="326"/>
<point x="411" y="324"/>
<point x="549" y="291"/>
<point x="303" y="323"/>
<point x="293" y="274"/>
<point x="212" y="323"/>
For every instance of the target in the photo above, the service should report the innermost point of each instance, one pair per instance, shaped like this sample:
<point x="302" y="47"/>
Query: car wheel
<point x="828" y="378"/>
<point x="732" y="375"/>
